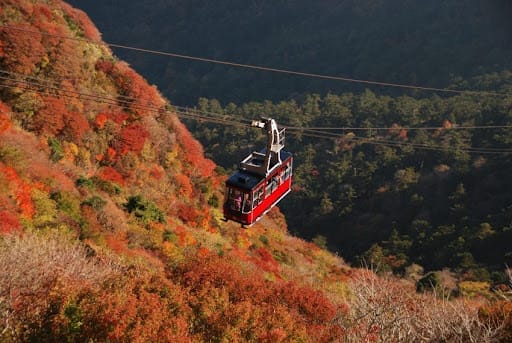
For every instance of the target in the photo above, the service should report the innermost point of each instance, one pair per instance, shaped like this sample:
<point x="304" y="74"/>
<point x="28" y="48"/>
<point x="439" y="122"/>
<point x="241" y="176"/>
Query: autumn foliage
<point x="132" y="138"/>
<point x="19" y="190"/>
<point x="49" y="120"/>
<point x="5" y="122"/>
<point x="110" y="226"/>
<point x="238" y="307"/>
<point x="111" y="174"/>
<point x="21" y="52"/>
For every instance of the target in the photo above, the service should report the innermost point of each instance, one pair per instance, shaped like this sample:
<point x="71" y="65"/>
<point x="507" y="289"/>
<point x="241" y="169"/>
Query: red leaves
<point x="76" y="126"/>
<point x="184" y="185"/>
<point x="110" y="174"/>
<point x="188" y="214"/>
<point x="100" y="120"/>
<point x="21" y="51"/>
<point x="5" y="120"/>
<point x="21" y="191"/>
<point x="193" y="151"/>
<point x="309" y="302"/>
<point x="89" y="30"/>
<point x="106" y="66"/>
<point x="157" y="171"/>
<point x="41" y="10"/>
<point x="49" y="120"/>
<point x="116" y="116"/>
<point x="132" y="138"/>
<point x="266" y="261"/>
<point x="136" y="95"/>
<point x="24" y="200"/>
<point x="9" y="222"/>
<point x="230" y="300"/>
<point x="141" y="98"/>
<point x="185" y="238"/>
<point x="137" y="309"/>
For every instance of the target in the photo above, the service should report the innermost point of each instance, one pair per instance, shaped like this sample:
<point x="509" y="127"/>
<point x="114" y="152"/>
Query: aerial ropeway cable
<point x="36" y="83"/>
<point x="265" y="68"/>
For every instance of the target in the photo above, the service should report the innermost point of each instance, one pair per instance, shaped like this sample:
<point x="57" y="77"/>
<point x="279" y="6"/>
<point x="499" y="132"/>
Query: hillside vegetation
<point x="110" y="230"/>
<point x="399" y="195"/>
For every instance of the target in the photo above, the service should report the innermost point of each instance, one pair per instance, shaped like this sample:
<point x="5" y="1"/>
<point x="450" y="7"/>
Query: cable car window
<point x="280" y="177"/>
<point x="258" y="196"/>
<point x="268" y="189"/>
<point x="287" y="171"/>
<point x="235" y="198"/>
<point x="247" y="203"/>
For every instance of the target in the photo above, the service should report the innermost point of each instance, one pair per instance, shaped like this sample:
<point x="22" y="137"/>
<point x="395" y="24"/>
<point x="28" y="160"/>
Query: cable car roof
<point x="244" y="180"/>
<point x="247" y="180"/>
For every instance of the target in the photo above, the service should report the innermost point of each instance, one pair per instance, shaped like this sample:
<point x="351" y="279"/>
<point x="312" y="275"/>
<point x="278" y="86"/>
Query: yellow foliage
<point x="474" y="288"/>
<point x="70" y="151"/>
<point x="46" y="209"/>
<point x="173" y="253"/>
<point x="148" y="152"/>
<point x="172" y="161"/>
<point x="83" y="158"/>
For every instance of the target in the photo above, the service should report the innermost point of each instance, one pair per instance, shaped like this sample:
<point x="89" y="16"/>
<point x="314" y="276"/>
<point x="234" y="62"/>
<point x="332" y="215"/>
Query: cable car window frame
<point x="247" y="205"/>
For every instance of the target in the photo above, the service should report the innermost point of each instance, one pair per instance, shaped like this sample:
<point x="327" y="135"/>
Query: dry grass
<point x="37" y="268"/>
<point x="389" y="310"/>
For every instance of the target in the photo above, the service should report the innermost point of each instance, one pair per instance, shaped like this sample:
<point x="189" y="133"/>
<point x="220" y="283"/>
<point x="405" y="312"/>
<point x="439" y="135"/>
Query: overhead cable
<point x="265" y="68"/>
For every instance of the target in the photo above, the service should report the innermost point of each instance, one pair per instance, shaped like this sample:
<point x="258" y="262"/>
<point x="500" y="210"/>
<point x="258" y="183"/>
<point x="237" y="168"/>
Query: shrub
<point x="38" y="274"/>
<point x="96" y="202"/>
<point x="145" y="210"/>
<point x="56" y="152"/>
<point x="82" y="181"/>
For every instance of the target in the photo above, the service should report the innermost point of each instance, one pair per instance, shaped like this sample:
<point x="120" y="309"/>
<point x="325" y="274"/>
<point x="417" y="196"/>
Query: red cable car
<point x="262" y="180"/>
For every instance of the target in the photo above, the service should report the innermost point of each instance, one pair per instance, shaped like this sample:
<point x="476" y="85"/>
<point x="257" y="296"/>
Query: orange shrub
<point x="5" y="120"/>
<point x="90" y="31"/>
<point x="132" y="138"/>
<point x="100" y="120"/>
<point x="266" y="261"/>
<point x="9" y="222"/>
<point x="50" y="119"/>
<point x="238" y="305"/>
<point x="75" y="126"/>
<point x="193" y="151"/>
<point x="185" y="186"/>
<point x="499" y="313"/>
<point x="22" y="51"/>
<point x="20" y="190"/>
<point x="110" y="174"/>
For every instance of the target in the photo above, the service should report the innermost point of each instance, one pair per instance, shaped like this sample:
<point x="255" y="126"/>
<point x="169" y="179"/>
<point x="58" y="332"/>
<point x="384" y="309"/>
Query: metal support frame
<point x="262" y="163"/>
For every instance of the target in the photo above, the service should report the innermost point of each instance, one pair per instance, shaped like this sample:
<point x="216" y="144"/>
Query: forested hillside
<point x="110" y="225"/>
<point x="406" y="41"/>
<point x="425" y="197"/>
<point x="430" y="187"/>
<point x="109" y="213"/>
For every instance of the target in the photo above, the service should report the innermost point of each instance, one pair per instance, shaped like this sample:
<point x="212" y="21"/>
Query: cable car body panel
<point x="249" y="196"/>
<point x="262" y="179"/>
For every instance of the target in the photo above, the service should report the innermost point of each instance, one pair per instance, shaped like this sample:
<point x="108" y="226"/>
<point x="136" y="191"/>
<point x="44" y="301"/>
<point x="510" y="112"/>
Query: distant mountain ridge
<point x="414" y="42"/>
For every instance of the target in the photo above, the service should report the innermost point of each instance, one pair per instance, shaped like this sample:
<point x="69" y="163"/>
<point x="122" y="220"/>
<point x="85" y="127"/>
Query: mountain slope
<point x="90" y="151"/>
<point x="110" y="224"/>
